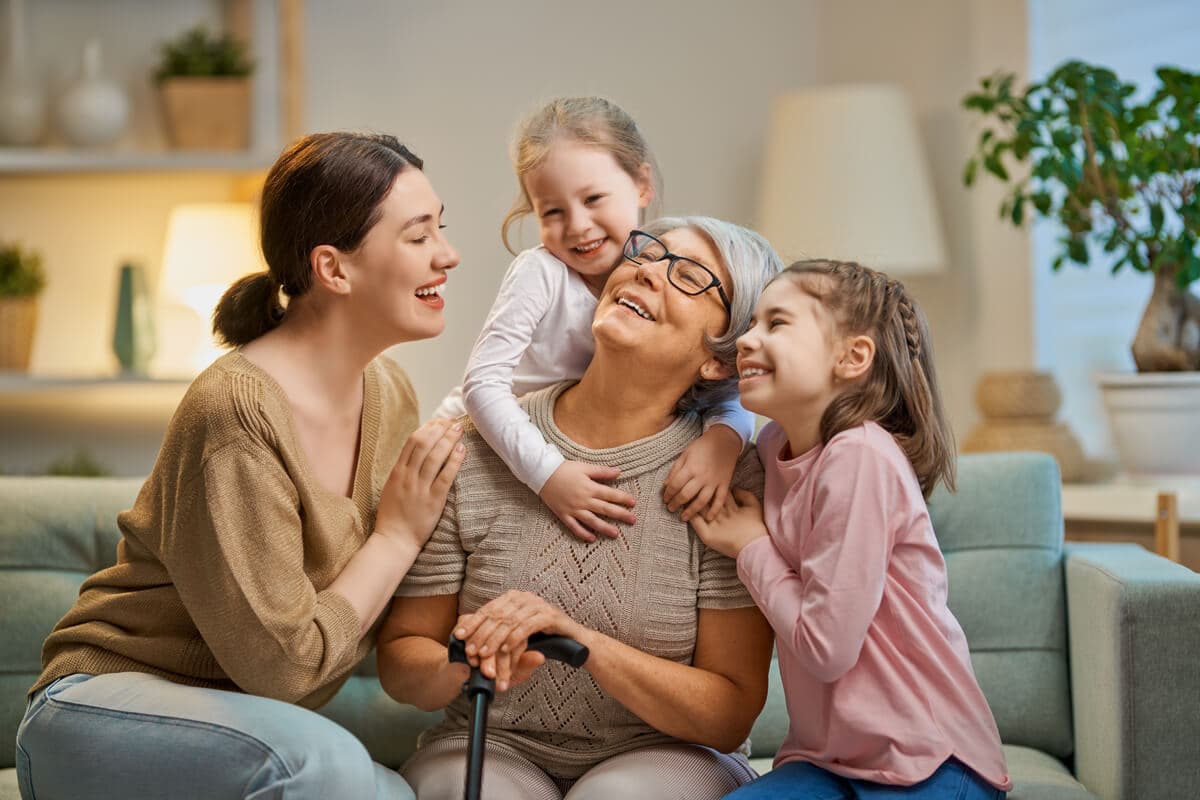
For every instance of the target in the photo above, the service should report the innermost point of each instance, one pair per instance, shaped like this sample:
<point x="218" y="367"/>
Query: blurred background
<point x="106" y="183"/>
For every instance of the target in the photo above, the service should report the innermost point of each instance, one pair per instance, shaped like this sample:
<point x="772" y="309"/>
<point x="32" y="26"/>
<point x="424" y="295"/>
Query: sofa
<point x="1089" y="654"/>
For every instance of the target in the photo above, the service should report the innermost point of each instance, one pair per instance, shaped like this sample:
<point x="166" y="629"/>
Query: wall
<point x="453" y="84"/>
<point x="979" y="308"/>
<point x="452" y="80"/>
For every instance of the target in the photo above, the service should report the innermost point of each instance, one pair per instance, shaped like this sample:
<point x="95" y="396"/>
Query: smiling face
<point x="397" y="274"/>
<point x="786" y="361"/>
<point x="641" y="312"/>
<point x="586" y="205"/>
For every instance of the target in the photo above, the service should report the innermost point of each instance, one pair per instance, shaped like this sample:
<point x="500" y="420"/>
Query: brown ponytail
<point x="248" y="309"/>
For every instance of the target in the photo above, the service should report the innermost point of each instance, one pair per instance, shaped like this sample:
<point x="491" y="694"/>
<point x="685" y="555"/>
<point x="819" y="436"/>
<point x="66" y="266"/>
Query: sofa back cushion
<point x="54" y="532"/>
<point x="1001" y="533"/>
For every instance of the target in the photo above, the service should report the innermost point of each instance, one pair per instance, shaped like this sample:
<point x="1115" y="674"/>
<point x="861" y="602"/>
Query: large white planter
<point x="1155" y="421"/>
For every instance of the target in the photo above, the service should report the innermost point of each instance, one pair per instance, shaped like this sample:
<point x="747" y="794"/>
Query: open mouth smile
<point x="635" y="308"/>
<point x="431" y="294"/>
<point x="588" y="249"/>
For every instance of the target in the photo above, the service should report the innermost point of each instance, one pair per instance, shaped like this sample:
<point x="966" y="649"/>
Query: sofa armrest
<point x="1134" y="627"/>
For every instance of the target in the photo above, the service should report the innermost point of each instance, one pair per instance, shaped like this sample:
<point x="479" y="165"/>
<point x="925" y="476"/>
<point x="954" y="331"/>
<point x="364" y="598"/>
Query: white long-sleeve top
<point x="539" y="332"/>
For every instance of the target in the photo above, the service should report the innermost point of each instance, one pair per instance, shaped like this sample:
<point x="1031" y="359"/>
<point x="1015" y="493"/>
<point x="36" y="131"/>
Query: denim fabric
<point x="133" y="735"/>
<point x="799" y="780"/>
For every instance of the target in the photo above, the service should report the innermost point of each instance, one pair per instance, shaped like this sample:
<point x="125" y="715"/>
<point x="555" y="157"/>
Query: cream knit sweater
<point x="644" y="588"/>
<point x="225" y="558"/>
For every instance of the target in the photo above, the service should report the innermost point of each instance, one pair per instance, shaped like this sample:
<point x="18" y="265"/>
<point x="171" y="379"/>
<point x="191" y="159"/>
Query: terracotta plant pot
<point x="207" y="113"/>
<point x="18" y="318"/>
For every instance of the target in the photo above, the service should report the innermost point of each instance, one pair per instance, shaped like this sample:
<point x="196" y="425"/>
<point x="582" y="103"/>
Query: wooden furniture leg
<point x="1166" y="526"/>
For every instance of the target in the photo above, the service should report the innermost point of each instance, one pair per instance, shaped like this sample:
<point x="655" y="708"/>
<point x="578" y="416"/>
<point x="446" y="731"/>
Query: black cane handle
<point x="557" y="648"/>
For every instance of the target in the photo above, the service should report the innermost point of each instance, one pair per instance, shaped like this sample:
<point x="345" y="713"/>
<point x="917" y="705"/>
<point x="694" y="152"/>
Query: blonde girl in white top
<point x="586" y="174"/>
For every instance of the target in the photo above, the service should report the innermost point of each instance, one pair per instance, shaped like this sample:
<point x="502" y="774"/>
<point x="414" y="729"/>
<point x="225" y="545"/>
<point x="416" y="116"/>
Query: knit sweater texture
<point x="223" y="567"/>
<point x="644" y="588"/>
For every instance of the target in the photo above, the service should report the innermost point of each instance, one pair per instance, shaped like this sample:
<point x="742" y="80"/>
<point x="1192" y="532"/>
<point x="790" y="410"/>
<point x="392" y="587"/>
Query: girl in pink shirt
<point x="841" y="556"/>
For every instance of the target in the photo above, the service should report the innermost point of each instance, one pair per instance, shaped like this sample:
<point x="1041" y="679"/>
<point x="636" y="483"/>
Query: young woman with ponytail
<point x="292" y="492"/>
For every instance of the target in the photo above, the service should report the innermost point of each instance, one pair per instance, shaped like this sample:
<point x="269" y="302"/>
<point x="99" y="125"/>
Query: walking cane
<point x="480" y="690"/>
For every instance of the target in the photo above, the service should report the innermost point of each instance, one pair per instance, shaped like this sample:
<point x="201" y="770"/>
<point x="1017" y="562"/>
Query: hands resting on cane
<point x="497" y="635"/>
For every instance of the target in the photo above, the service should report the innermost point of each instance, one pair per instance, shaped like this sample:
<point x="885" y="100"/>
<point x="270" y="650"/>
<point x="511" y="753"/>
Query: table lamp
<point x="845" y="178"/>
<point x="208" y="247"/>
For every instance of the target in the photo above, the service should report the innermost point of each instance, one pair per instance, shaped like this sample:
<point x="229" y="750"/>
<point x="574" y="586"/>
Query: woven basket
<point x="207" y="113"/>
<point x="1006" y="395"/>
<point x="18" y="318"/>
<point x="1053" y="438"/>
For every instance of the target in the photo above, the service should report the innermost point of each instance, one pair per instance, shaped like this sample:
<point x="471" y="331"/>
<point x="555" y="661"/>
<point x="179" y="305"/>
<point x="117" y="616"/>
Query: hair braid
<point x="908" y="319"/>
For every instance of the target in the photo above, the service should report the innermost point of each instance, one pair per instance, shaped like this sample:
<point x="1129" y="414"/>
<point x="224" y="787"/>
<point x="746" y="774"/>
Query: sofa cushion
<point x="53" y="534"/>
<point x="1038" y="776"/>
<point x="1001" y="533"/>
<point x="771" y="727"/>
<point x="388" y="729"/>
<point x="9" y="790"/>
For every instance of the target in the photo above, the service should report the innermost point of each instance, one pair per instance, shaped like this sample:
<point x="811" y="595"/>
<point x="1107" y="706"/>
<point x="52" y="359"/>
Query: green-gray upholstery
<point x="1087" y="659"/>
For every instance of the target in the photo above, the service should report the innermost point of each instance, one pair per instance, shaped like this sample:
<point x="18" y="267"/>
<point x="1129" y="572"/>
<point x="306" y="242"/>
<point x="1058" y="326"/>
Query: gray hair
<point x="752" y="263"/>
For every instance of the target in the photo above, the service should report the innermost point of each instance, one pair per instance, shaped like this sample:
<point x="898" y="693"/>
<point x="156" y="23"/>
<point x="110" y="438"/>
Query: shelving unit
<point x="274" y="31"/>
<point x="118" y="421"/>
<point x="18" y="161"/>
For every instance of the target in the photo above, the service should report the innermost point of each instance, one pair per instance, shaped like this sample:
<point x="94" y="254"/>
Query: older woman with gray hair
<point x="679" y="653"/>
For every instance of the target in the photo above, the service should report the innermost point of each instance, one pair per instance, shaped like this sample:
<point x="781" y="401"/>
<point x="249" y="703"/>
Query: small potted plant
<point x="204" y="80"/>
<point x="21" y="280"/>
<point x="1121" y="175"/>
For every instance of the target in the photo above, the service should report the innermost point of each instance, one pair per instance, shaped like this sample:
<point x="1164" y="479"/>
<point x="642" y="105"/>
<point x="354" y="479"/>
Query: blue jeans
<point x="134" y="735"/>
<point x="799" y="780"/>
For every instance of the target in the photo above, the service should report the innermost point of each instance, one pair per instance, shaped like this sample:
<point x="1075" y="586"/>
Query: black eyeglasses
<point x="688" y="276"/>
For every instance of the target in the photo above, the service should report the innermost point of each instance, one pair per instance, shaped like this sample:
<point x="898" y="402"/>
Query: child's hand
<point x="737" y="524"/>
<point x="701" y="476"/>
<point x="576" y="496"/>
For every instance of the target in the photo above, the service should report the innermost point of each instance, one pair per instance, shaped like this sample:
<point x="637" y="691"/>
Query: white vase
<point x="1155" y="421"/>
<point x="22" y="105"/>
<point x="22" y="109"/>
<point x="94" y="111"/>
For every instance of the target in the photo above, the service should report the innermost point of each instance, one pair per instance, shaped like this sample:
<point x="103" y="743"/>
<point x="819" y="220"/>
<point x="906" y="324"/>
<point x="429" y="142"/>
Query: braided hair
<point x="900" y="390"/>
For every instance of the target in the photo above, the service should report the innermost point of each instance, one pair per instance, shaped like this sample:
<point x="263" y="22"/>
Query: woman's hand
<point x="498" y="633"/>
<point x="576" y="496"/>
<point x="701" y="476"/>
<point x="739" y="522"/>
<point x="412" y="500"/>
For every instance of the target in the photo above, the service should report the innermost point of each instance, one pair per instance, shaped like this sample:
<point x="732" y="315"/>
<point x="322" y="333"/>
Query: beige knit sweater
<point x="643" y="588"/>
<point x="224" y="560"/>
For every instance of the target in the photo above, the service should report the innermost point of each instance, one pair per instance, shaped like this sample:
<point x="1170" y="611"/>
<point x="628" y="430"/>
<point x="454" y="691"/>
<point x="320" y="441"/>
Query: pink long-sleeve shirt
<point x="875" y="668"/>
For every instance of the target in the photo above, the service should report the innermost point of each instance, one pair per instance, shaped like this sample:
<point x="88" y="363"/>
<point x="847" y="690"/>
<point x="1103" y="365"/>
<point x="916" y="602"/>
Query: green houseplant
<point x="1119" y="173"/>
<point x="204" y="80"/>
<point x="21" y="280"/>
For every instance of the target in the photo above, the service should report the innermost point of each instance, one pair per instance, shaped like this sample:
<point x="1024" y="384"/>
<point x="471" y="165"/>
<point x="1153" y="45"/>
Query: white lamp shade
<point x="209" y="246"/>
<point x="845" y="177"/>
